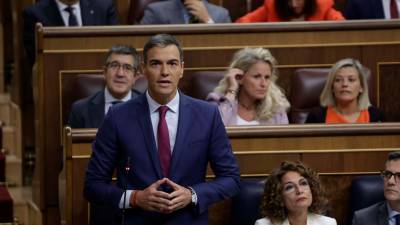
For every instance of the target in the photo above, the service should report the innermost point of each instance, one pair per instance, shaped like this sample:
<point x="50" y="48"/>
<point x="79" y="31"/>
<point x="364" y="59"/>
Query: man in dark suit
<point x="57" y="13"/>
<point x="386" y="212"/>
<point x="370" y="9"/>
<point x="184" y="12"/>
<point x="160" y="145"/>
<point x="120" y="73"/>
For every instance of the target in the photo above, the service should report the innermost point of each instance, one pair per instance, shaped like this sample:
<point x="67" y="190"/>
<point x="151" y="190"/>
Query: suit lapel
<point x="383" y="214"/>
<point x="97" y="107"/>
<point x="86" y="13"/>
<point x="143" y="117"/>
<point x="182" y="134"/>
<point x="377" y="9"/>
<point x="54" y="15"/>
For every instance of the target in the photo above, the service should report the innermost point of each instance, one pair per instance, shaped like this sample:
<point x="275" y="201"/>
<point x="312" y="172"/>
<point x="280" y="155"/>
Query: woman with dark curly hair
<point x="293" y="195"/>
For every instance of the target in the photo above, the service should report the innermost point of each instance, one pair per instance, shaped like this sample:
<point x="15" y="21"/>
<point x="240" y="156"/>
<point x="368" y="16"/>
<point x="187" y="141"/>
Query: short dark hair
<point x="161" y="40"/>
<point x="285" y="12"/>
<point x="272" y="205"/>
<point x="120" y="49"/>
<point x="393" y="156"/>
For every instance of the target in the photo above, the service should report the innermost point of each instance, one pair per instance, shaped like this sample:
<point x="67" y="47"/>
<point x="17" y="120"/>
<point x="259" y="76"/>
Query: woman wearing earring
<point x="293" y="195"/>
<point x="344" y="98"/>
<point x="248" y="94"/>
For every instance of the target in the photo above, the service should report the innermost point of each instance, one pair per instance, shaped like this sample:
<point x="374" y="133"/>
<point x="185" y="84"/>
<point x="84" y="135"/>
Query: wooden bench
<point x="337" y="152"/>
<point x="206" y="47"/>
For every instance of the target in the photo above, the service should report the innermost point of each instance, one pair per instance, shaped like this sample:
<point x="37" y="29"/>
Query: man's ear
<point x="183" y="68"/>
<point x="142" y="66"/>
<point x="104" y="71"/>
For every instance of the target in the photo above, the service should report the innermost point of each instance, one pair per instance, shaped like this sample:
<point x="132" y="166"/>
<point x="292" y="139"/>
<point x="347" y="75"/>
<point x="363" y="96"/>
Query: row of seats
<point x="307" y="85"/>
<point x="236" y="8"/>
<point x="245" y="210"/>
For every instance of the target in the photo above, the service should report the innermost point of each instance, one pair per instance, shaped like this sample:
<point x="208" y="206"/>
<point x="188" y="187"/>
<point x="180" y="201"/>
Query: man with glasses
<point x="120" y="73"/>
<point x="386" y="212"/>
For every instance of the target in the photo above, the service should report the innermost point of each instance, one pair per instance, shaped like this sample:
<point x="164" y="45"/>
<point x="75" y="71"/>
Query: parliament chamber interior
<point x="43" y="161"/>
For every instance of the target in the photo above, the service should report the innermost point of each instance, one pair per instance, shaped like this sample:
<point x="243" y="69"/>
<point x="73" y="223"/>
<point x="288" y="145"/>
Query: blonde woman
<point x="248" y="94"/>
<point x="344" y="98"/>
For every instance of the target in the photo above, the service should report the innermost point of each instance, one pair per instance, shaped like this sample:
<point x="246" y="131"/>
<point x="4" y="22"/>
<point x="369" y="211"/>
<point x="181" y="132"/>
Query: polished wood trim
<point x="313" y="130"/>
<point x="378" y="78"/>
<point x="90" y="31"/>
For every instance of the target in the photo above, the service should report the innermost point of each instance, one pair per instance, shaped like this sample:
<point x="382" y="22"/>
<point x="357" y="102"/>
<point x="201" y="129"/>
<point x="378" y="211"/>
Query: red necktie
<point x="394" y="13"/>
<point x="164" y="149"/>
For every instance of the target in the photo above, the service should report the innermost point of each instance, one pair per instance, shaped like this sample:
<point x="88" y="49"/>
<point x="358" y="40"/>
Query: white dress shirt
<point x="312" y="219"/>
<point x="171" y="118"/>
<point x="386" y="8"/>
<point x="65" y="14"/>
<point x="108" y="98"/>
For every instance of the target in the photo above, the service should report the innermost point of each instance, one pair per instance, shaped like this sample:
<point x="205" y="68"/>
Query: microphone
<point x="127" y="169"/>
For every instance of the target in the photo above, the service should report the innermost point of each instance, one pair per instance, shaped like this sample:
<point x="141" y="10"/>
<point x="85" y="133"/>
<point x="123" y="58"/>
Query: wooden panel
<point x="389" y="80"/>
<point x="296" y="45"/>
<point x="337" y="152"/>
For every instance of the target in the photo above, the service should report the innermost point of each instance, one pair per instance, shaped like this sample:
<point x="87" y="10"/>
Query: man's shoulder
<point x="370" y="210"/>
<point x="38" y="6"/>
<point x="160" y="4"/>
<point x="196" y="102"/>
<point x="88" y="100"/>
<point x="100" y="3"/>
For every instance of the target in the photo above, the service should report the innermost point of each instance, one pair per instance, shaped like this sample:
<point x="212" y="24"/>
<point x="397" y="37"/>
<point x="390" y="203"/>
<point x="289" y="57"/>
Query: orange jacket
<point x="267" y="13"/>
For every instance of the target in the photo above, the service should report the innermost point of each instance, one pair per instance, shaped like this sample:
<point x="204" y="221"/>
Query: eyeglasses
<point x="125" y="67"/>
<point x="387" y="175"/>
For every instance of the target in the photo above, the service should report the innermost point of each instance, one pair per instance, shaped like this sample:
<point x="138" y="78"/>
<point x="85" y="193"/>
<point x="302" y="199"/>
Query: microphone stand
<point x="127" y="168"/>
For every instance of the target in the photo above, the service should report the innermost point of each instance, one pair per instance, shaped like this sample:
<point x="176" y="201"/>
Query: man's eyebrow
<point x="154" y="60"/>
<point x="173" y="60"/>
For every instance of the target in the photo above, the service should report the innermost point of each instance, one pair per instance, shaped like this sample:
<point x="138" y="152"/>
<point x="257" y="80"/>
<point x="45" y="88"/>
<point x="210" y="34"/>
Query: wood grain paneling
<point x="207" y="47"/>
<point x="337" y="152"/>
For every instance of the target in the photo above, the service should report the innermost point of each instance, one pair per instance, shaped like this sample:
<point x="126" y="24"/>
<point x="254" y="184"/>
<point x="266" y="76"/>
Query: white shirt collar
<point x="109" y="98"/>
<point x="61" y="7"/>
<point x="173" y="105"/>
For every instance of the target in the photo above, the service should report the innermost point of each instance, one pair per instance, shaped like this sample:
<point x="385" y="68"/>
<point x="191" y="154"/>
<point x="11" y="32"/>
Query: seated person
<point x="372" y="9"/>
<point x="385" y="212"/>
<point x="184" y="12"/>
<point x="65" y="13"/>
<point x="120" y="73"/>
<point x="292" y="10"/>
<point x="248" y="94"/>
<point x="344" y="98"/>
<point x="293" y="195"/>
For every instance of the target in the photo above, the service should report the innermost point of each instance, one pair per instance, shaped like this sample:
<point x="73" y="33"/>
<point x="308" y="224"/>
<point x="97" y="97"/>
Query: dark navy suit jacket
<point x="89" y="112"/>
<point x="93" y="13"/>
<point x="201" y="139"/>
<point x="376" y="214"/>
<point x="169" y="12"/>
<point x="364" y="9"/>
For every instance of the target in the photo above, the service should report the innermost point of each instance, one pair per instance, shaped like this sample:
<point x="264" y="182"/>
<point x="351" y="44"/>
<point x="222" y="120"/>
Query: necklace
<point x="245" y="106"/>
